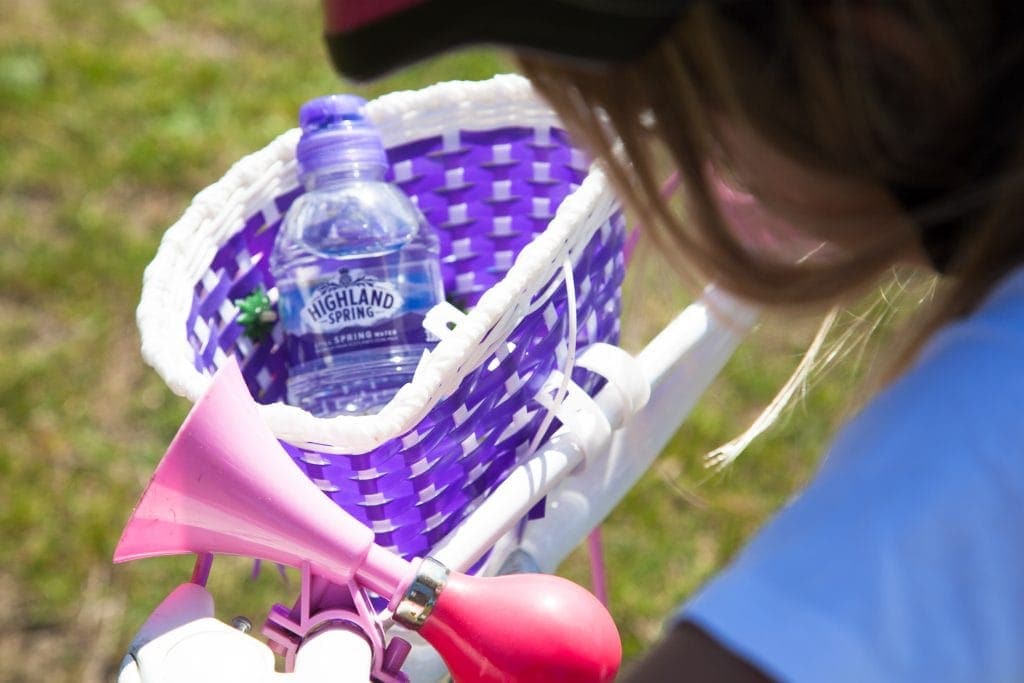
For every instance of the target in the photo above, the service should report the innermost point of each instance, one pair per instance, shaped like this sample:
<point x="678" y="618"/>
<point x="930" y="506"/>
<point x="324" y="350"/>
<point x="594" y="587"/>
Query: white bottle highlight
<point x="357" y="268"/>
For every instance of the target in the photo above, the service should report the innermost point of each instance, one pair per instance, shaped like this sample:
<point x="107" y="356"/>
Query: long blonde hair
<point x="873" y="95"/>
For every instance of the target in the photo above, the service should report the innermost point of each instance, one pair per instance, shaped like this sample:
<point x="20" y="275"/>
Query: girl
<point x="873" y="134"/>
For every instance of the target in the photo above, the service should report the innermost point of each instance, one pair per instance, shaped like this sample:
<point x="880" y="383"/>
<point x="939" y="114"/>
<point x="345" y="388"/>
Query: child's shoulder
<point x="960" y="408"/>
<point x="996" y="326"/>
<point x="975" y="365"/>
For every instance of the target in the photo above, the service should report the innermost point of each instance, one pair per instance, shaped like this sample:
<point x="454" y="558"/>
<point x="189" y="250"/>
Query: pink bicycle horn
<point x="226" y="486"/>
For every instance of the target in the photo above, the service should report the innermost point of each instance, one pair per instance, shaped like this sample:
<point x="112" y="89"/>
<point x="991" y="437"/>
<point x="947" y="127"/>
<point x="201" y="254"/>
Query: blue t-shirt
<point x="904" y="559"/>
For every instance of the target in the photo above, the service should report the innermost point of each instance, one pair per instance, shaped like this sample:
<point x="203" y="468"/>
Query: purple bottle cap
<point x="337" y="135"/>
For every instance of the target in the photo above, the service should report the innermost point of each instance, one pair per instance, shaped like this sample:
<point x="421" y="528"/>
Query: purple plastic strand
<point x="201" y="569"/>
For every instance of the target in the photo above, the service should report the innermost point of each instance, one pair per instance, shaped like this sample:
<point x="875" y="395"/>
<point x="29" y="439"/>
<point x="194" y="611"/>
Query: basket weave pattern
<point x="488" y="193"/>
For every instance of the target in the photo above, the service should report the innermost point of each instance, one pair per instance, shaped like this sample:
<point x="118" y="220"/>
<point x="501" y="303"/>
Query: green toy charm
<point x="256" y="314"/>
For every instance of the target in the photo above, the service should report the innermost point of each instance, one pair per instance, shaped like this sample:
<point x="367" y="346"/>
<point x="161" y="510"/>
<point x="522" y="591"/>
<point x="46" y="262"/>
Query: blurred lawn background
<point x="112" y="116"/>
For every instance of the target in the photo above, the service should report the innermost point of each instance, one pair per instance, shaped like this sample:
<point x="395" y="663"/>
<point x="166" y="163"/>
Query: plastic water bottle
<point x="357" y="268"/>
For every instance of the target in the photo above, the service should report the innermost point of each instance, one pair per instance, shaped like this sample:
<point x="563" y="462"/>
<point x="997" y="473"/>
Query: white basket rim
<point x="216" y="213"/>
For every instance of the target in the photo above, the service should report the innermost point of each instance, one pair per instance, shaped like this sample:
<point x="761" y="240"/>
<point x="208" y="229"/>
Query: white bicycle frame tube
<point x="680" y="364"/>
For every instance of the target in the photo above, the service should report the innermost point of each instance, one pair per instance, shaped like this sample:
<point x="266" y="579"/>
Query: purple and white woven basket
<point x="515" y="204"/>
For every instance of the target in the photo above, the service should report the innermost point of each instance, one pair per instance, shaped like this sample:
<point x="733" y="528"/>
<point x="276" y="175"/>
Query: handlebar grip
<point x="338" y="654"/>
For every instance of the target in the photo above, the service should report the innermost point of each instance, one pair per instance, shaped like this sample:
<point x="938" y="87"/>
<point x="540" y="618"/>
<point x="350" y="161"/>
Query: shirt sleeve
<point x="904" y="558"/>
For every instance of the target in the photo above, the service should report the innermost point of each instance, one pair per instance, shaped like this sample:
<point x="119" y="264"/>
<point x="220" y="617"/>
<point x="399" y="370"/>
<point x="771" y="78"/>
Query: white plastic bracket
<point x="624" y="374"/>
<point x="579" y="414"/>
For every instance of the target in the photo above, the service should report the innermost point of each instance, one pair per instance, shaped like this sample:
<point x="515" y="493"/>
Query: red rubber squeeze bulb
<point x="529" y="628"/>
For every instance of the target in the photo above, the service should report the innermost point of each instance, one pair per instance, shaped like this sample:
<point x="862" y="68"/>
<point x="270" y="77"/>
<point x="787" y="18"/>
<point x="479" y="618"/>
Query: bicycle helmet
<point x="367" y="38"/>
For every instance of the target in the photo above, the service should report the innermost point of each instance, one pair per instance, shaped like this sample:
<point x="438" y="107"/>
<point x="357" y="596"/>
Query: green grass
<point x="113" y="116"/>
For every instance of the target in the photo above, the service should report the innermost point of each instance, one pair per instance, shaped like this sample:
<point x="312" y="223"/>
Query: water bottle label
<point x="351" y="300"/>
<point x="348" y="312"/>
<point x="403" y="330"/>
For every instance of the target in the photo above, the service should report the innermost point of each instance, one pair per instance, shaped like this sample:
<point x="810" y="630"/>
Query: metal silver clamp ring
<point x="418" y="601"/>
